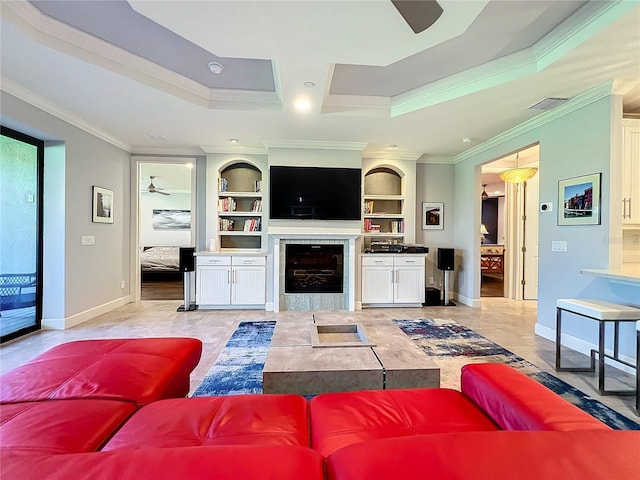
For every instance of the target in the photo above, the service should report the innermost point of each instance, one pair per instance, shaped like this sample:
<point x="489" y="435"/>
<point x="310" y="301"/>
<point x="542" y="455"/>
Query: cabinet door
<point x="377" y="284"/>
<point x="249" y="285"/>
<point x="631" y="176"/>
<point x="213" y="285"/>
<point x="409" y="279"/>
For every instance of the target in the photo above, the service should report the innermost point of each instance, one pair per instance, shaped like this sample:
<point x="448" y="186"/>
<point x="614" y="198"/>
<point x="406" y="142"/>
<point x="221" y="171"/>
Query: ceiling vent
<point x="548" y="103"/>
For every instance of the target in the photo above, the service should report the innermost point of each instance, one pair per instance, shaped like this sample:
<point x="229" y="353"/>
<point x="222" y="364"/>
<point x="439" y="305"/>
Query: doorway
<point x="165" y="223"/>
<point x="512" y="257"/>
<point x="21" y="220"/>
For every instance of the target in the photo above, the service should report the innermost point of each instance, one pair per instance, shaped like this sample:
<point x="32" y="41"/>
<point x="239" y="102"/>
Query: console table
<point x="601" y="312"/>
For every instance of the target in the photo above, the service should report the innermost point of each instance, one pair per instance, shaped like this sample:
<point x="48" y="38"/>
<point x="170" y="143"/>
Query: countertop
<point x="628" y="274"/>
<point x="229" y="253"/>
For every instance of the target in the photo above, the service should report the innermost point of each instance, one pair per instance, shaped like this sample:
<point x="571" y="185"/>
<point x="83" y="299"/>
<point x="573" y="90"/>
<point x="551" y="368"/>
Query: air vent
<point x="548" y="103"/>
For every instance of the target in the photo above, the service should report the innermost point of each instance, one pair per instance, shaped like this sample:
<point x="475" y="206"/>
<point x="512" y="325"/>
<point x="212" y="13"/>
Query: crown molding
<point x="315" y="145"/>
<point x="56" y="34"/>
<point x="51" y="108"/>
<point x="582" y="25"/>
<point x="230" y="149"/>
<point x="384" y="155"/>
<point x="582" y="100"/>
<point x="436" y="160"/>
<point x="184" y="152"/>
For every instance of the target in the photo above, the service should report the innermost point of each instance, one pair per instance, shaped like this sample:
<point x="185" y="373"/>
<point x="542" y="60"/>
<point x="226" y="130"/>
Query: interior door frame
<point x="135" y="280"/>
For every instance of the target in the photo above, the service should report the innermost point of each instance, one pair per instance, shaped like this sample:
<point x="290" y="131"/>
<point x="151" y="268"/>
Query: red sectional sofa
<point x="501" y="425"/>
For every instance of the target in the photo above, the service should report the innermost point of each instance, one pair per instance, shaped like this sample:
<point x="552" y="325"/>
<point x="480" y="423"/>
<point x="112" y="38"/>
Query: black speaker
<point x="445" y="258"/>
<point x="187" y="260"/>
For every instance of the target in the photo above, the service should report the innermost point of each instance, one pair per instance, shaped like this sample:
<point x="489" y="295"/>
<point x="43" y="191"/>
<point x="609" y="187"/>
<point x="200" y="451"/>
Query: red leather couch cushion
<point x="60" y="426"/>
<point x="135" y="370"/>
<point x="517" y="402"/>
<point x="233" y="420"/>
<point x="189" y="463"/>
<point x="340" y="419"/>
<point x="582" y="455"/>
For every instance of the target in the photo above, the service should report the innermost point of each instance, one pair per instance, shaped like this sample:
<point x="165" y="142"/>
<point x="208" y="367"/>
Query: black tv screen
<point x="315" y="193"/>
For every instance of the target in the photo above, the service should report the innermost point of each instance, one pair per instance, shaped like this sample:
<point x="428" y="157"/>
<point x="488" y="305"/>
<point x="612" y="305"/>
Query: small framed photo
<point x="579" y="200"/>
<point x="432" y="215"/>
<point x="102" y="205"/>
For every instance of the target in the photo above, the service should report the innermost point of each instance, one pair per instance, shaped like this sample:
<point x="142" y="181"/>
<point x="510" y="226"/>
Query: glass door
<point x="21" y="167"/>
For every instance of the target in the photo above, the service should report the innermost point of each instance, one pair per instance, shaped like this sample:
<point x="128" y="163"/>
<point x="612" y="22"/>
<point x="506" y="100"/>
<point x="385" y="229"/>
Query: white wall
<point x="153" y="201"/>
<point x="91" y="274"/>
<point x="584" y="140"/>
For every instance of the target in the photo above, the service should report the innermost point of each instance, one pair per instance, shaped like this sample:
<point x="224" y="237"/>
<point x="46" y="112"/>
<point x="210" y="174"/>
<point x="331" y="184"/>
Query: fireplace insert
<point x="314" y="268"/>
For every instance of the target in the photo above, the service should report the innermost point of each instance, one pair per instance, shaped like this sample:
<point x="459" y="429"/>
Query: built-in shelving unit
<point x="239" y="207"/>
<point x="384" y="206"/>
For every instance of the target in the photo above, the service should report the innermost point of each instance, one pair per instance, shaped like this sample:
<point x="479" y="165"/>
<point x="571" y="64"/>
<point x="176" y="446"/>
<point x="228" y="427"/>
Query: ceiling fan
<point x="419" y="14"/>
<point x="153" y="189"/>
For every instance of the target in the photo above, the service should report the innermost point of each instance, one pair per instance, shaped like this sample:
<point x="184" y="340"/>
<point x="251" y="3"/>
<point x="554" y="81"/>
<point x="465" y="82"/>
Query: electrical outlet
<point x="430" y="280"/>
<point x="635" y="240"/>
<point x="122" y="284"/>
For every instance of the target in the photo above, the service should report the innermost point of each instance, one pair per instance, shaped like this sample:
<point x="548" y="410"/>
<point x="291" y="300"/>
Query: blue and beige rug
<point x="452" y="345"/>
<point x="238" y="368"/>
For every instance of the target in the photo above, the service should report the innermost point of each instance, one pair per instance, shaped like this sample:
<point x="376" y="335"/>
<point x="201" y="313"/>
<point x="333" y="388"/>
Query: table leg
<point x="558" y="336"/>
<point x="601" y="358"/>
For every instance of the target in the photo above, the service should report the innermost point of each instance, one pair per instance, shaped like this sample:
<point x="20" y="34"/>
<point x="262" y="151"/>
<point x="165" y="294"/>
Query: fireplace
<point x="311" y="268"/>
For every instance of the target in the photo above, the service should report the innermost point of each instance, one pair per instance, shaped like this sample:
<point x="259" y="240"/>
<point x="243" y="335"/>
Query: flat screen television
<point x="315" y="193"/>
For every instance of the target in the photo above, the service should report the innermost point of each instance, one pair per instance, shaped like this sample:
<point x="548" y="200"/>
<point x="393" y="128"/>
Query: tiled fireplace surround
<point x="313" y="301"/>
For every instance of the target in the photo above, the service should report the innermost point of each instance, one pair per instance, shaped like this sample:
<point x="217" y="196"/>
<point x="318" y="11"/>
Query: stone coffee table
<point x="310" y="358"/>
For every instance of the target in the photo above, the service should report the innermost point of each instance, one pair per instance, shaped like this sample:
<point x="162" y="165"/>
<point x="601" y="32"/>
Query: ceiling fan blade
<point x="161" y="193"/>
<point x="419" y="14"/>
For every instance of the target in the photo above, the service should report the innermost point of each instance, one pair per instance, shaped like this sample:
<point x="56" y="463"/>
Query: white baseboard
<point x="469" y="302"/>
<point x="584" y="347"/>
<point x="78" y="318"/>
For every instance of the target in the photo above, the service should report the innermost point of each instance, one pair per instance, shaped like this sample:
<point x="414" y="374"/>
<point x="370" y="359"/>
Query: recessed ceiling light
<point x="234" y="140"/>
<point x="466" y="140"/>
<point x="309" y="84"/>
<point x="393" y="147"/>
<point x="215" y="67"/>
<point x="302" y="105"/>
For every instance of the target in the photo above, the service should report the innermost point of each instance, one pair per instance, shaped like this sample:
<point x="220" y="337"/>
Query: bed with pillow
<point x="160" y="262"/>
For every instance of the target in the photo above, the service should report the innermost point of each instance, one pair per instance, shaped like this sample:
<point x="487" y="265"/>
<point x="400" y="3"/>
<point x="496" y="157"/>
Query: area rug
<point x="452" y="345"/>
<point x="238" y="368"/>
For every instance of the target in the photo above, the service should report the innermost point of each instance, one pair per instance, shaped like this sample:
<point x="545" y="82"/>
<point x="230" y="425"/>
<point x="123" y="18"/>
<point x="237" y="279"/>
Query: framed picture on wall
<point x="102" y="205"/>
<point x="579" y="200"/>
<point x="432" y="215"/>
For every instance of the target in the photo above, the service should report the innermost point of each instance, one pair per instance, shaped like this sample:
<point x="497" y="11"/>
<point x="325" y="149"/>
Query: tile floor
<point x="507" y="322"/>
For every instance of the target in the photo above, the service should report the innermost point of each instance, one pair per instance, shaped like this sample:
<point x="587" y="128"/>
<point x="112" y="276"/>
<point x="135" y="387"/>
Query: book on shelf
<point x="223" y="184"/>
<point x="226" y="225"/>
<point x="256" y="206"/>
<point x="368" y="206"/>
<point x="226" y="204"/>
<point x="252" y="225"/>
<point x="257" y="186"/>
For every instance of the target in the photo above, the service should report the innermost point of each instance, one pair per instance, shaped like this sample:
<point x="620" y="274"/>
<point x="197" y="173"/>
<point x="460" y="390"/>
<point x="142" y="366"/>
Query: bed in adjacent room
<point x="159" y="262"/>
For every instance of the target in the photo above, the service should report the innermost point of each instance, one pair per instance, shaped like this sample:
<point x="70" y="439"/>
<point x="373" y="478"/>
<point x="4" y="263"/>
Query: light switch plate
<point x="88" y="240"/>
<point x="558" y="246"/>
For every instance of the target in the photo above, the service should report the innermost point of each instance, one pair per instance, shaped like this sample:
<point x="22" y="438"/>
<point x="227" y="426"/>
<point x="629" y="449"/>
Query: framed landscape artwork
<point x="432" y="215"/>
<point x="102" y="205"/>
<point x="171" y="219"/>
<point x="579" y="200"/>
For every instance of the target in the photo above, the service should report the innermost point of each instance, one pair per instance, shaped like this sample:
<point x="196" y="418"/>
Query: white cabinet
<point x="230" y="281"/>
<point x="392" y="279"/>
<point x="631" y="173"/>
